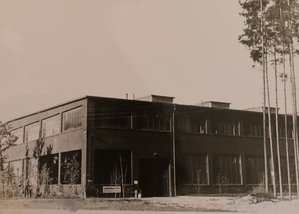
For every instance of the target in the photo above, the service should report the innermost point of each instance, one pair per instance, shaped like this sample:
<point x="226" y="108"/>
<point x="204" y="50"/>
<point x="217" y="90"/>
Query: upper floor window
<point x="114" y="121"/>
<point x="255" y="131"/>
<point x="196" y="126"/>
<point x="51" y="126"/>
<point x="160" y="122"/>
<point x="282" y="132"/>
<point x="18" y="133"/>
<point x="72" y="119"/>
<point x="32" y="132"/>
<point x="231" y="129"/>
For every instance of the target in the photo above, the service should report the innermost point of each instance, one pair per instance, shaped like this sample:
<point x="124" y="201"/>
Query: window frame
<point x="62" y="130"/>
<point x="239" y="168"/>
<point x="152" y="122"/>
<point x="22" y="137"/>
<point x="59" y="125"/>
<point x="39" y="130"/>
<point x="192" y="158"/>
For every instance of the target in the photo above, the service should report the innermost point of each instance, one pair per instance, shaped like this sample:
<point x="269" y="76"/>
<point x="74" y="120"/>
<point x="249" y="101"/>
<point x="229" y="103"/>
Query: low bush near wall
<point x="260" y="194"/>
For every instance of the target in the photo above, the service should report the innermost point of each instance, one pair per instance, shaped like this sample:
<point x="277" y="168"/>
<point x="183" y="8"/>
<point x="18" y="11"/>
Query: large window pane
<point x="227" y="169"/>
<point x="255" y="131"/>
<point x="16" y="167"/>
<point x="230" y="129"/>
<point x="32" y="132"/>
<point x="18" y="133"/>
<point x="72" y="119"/>
<point x="51" y="126"/>
<point x="114" y="121"/>
<point x="160" y="122"/>
<point x="49" y="168"/>
<point x="255" y="172"/>
<point x="196" y="126"/>
<point x="194" y="169"/>
<point x="71" y="167"/>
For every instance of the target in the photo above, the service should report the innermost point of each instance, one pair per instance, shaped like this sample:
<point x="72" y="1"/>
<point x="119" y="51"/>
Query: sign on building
<point x="111" y="189"/>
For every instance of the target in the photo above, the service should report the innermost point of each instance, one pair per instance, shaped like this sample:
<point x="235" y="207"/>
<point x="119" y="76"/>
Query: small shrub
<point x="259" y="193"/>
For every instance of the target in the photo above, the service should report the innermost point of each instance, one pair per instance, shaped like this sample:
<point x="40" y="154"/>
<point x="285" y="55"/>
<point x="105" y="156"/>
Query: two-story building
<point x="149" y="146"/>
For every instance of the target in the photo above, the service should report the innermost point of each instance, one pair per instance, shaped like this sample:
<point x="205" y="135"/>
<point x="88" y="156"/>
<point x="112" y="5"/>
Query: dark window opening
<point x="282" y="132"/>
<point x="112" y="167"/>
<point x="159" y="122"/>
<point x="194" y="169"/>
<point x="227" y="169"/>
<point x="71" y="167"/>
<point x="48" y="168"/>
<point x="229" y="129"/>
<point x="196" y="126"/>
<point x="254" y="131"/>
<point x="114" y="121"/>
<point x="255" y="170"/>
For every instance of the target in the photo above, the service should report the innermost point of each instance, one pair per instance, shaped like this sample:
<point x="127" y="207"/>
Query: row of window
<point x="162" y="122"/>
<point x="229" y="128"/>
<point x="154" y="121"/>
<point x="70" y="168"/>
<point x="70" y="120"/>
<point x="227" y="169"/>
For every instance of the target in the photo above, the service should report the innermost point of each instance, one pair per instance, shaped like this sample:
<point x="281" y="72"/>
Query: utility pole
<point x="264" y="103"/>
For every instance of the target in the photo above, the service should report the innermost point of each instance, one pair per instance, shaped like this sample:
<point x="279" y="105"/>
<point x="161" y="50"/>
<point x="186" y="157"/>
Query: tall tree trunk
<point x="294" y="102"/>
<point x="264" y="105"/>
<point x="277" y="126"/>
<point x="295" y="126"/>
<point x="270" y="134"/>
<point x="284" y="78"/>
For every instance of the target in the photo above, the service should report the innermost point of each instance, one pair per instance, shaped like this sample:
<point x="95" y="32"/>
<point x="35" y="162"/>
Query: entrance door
<point x="154" y="177"/>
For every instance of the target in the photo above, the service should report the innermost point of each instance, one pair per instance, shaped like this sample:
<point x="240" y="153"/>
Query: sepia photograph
<point x="149" y="106"/>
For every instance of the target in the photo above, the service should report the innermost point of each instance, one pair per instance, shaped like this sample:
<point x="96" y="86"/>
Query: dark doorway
<point x="154" y="177"/>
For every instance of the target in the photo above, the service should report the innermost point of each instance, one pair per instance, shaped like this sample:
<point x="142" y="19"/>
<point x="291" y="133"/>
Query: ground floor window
<point x="255" y="170"/>
<point x="284" y="170"/>
<point x="194" y="169"/>
<point x="112" y="167"/>
<point x="71" y="167"/>
<point x="48" y="168"/>
<point x="16" y="168"/>
<point x="292" y="170"/>
<point x="227" y="169"/>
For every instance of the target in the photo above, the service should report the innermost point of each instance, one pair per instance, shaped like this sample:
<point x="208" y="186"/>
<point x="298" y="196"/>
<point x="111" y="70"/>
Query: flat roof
<point x="136" y="100"/>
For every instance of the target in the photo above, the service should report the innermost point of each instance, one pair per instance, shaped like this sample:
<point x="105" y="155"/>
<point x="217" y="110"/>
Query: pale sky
<point x="53" y="51"/>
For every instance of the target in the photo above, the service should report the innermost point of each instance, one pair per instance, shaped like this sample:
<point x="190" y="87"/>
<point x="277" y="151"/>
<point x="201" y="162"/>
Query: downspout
<point x="174" y="150"/>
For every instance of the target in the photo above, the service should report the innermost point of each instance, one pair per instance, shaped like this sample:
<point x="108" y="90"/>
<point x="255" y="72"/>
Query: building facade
<point x="106" y="147"/>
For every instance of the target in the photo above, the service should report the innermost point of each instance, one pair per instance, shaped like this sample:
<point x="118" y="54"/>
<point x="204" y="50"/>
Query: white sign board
<point x="111" y="189"/>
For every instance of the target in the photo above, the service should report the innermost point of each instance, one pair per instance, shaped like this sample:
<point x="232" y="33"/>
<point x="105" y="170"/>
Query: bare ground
<point x="180" y="203"/>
